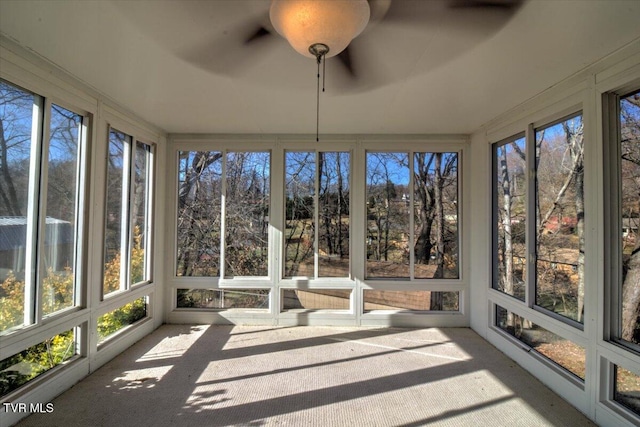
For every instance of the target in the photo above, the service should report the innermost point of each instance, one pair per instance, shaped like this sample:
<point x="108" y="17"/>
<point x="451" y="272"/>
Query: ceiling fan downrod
<point x="319" y="50"/>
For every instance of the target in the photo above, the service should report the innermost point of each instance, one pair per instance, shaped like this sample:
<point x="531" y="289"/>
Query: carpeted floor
<point x="317" y="376"/>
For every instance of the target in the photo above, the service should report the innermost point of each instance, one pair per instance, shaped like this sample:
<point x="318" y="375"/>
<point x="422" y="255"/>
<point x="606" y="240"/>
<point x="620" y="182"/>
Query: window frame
<point x="217" y="281"/>
<point x="612" y="162"/>
<point x="128" y="188"/>
<point x="316" y="214"/>
<point x="36" y="212"/>
<point x="411" y="151"/>
<point x="223" y="215"/>
<point x="278" y="145"/>
<point x="494" y="211"/>
<point x="38" y="327"/>
<point x="531" y="217"/>
<point x="530" y="203"/>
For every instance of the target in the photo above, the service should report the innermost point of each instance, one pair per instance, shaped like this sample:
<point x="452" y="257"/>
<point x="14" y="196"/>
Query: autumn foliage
<point x="58" y="294"/>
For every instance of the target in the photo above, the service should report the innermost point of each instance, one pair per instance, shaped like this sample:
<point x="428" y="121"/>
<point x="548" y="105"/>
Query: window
<point x="553" y="217"/>
<point x="625" y="220"/>
<point x="246" y="208"/>
<point x="118" y="319"/>
<point x="559" y="218"/>
<point x="226" y="215"/>
<point x="412" y="224"/>
<point x="410" y="300"/>
<point x="388" y="211"/>
<point x="316" y="299"/>
<point x="128" y="213"/>
<point x="509" y="226"/>
<point x="199" y="213"/>
<point x="222" y="299"/>
<point x="562" y="352"/>
<point x="223" y="195"/>
<point x="41" y="168"/>
<point x="538" y="240"/>
<point x="627" y="389"/>
<point x="317" y="214"/>
<point x="28" y="364"/>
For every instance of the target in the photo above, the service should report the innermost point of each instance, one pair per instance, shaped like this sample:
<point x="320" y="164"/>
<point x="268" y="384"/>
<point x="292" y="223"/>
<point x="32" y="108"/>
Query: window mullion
<point x="531" y="216"/>
<point x="42" y="211"/>
<point x="80" y="291"/>
<point x="412" y="229"/>
<point x="223" y="215"/>
<point x="33" y="208"/>
<point x="316" y="216"/>
<point x="125" y="236"/>
<point x="613" y="215"/>
<point x="149" y="193"/>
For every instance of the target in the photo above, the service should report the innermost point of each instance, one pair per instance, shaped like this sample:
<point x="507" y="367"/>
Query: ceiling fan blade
<point x="231" y="52"/>
<point x="377" y="10"/>
<point x="420" y="12"/>
<point x="258" y="34"/>
<point x="505" y="4"/>
<point x="357" y="69"/>
<point x="345" y="59"/>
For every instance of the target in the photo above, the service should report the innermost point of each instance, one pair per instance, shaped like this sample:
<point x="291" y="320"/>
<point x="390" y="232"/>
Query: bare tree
<point x="630" y="154"/>
<point x="506" y="255"/>
<point x="16" y="110"/>
<point x="333" y="210"/>
<point x="435" y="182"/>
<point x="425" y="193"/>
<point x="195" y="221"/>
<point x="300" y="213"/>
<point x="560" y="218"/>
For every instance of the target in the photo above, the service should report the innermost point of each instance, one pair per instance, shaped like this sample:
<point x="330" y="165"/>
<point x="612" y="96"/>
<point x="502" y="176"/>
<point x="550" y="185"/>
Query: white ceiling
<point x="181" y="65"/>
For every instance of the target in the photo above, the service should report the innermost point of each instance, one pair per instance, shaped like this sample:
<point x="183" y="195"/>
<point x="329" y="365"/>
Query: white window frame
<point x="278" y="145"/>
<point x="126" y="232"/>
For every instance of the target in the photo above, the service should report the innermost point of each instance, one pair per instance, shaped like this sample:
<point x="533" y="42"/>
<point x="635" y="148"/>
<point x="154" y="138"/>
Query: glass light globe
<point x="333" y="23"/>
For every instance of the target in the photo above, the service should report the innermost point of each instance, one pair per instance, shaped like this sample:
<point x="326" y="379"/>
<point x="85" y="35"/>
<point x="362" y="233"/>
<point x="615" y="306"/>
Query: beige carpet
<point x="309" y="376"/>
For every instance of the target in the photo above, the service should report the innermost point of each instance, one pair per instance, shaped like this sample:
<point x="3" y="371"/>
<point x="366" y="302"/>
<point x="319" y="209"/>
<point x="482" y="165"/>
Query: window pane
<point x="563" y="352"/>
<point x="560" y="218"/>
<point x="410" y="300"/>
<point x="387" y="198"/>
<point x="223" y="298"/>
<point x="247" y="214"/>
<point x="111" y="280"/>
<point x="435" y="215"/>
<point x="333" y="214"/>
<point x="627" y="389"/>
<point x="118" y="319"/>
<point x="61" y="209"/>
<point x="199" y="201"/>
<point x="140" y="215"/>
<point x="16" y="122"/>
<point x="316" y="299"/>
<point x="630" y="209"/>
<point x="300" y="177"/>
<point x="21" y="368"/>
<point x="510" y="183"/>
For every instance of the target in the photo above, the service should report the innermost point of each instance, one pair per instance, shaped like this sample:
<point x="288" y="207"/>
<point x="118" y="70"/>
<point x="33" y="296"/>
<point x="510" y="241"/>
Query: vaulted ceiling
<point x="425" y="67"/>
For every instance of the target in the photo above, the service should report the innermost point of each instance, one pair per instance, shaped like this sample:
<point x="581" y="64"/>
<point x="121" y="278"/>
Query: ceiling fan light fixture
<point x="305" y="23"/>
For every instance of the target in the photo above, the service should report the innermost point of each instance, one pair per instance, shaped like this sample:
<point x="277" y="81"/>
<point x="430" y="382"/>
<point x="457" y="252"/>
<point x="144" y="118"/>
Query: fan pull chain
<point x="319" y="50"/>
<point x="324" y="62"/>
<point x="318" y="104"/>
<point x="324" y="69"/>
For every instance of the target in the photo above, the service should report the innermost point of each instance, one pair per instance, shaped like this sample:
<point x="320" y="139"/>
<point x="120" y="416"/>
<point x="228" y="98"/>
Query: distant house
<point x="58" y="245"/>
<point x="565" y="224"/>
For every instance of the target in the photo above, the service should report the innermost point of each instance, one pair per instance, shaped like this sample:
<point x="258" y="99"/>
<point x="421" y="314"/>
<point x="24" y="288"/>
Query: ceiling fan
<point x="238" y="47"/>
